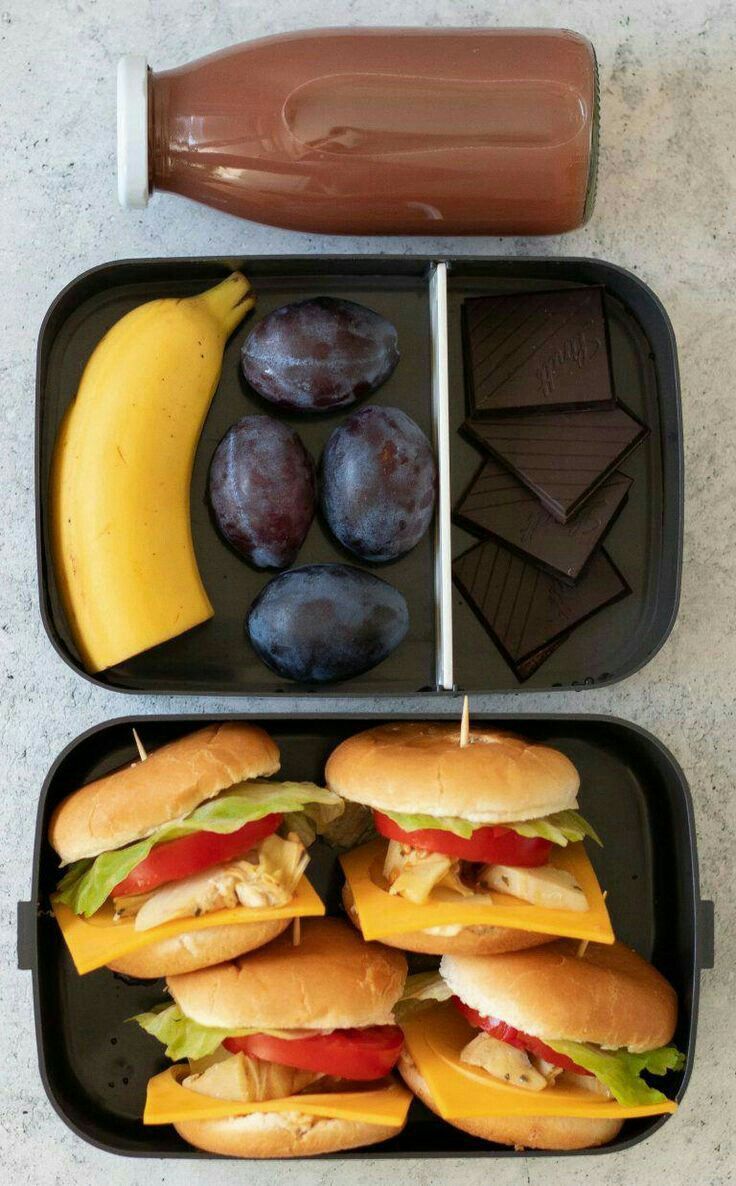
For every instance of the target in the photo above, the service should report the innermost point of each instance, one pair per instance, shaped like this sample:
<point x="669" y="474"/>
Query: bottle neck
<point x="133" y="131"/>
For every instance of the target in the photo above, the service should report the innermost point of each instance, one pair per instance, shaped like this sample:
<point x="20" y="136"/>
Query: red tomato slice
<point x="491" y="846"/>
<point x="175" y="859"/>
<point x="351" y="1053"/>
<point x="507" y="1033"/>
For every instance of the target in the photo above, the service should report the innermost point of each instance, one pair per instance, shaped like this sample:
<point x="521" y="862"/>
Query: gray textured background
<point x="665" y="210"/>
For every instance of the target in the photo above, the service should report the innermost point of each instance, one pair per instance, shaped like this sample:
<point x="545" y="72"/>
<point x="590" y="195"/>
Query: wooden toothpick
<point x="139" y="746"/>
<point x="296" y="934"/>
<point x="465" y="724"/>
<point x="583" y="944"/>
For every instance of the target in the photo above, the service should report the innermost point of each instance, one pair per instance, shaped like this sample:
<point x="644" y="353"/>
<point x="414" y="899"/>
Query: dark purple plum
<point x="262" y="491"/>
<point x="321" y="354"/>
<point x="378" y="483"/>
<point x="325" y="622"/>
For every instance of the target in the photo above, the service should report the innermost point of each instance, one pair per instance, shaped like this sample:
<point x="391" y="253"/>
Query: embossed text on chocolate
<point x="577" y="350"/>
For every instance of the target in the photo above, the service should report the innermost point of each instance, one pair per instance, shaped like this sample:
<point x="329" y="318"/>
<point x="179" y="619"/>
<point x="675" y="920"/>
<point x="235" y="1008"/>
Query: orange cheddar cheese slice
<point x="94" y="942"/>
<point x="434" y="1038"/>
<point x="381" y="913"/>
<point x="167" y="1102"/>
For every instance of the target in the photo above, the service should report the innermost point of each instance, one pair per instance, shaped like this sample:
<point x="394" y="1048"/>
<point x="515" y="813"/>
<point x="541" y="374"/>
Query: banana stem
<point x="229" y="301"/>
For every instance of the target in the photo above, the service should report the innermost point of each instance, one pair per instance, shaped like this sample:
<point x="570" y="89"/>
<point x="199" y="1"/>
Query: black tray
<point x="446" y="647"/>
<point x="95" y="1067"/>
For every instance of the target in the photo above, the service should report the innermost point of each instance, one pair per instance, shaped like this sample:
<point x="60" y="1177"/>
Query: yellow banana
<point x="119" y="500"/>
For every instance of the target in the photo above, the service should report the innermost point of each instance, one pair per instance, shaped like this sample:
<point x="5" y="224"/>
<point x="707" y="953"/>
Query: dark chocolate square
<point x="523" y="608"/>
<point x="498" y="504"/>
<point x="536" y="350"/>
<point x="562" y="456"/>
<point x="525" y="670"/>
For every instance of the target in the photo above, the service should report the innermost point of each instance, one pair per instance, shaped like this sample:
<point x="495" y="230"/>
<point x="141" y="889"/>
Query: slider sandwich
<point x="286" y="1051"/>
<point x="188" y="857"/>
<point x="480" y="847"/>
<point x="543" y="1048"/>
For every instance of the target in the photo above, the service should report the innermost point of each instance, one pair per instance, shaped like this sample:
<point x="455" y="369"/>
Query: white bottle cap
<point x="133" y="188"/>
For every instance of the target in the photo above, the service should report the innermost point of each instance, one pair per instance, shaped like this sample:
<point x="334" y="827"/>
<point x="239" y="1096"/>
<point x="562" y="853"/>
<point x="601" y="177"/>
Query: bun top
<point x="332" y="980"/>
<point x="421" y="767"/>
<point x="132" y="802"/>
<point x="609" y="995"/>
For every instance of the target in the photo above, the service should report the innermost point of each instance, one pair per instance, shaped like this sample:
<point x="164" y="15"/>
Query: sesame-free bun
<point x="415" y="766"/>
<point x="281" y="1134"/>
<point x="524" y="1132"/>
<point x="471" y="940"/>
<point x="198" y="949"/>
<point x="609" y="996"/>
<point x="331" y="980"/>
<point x="132" y="802"/>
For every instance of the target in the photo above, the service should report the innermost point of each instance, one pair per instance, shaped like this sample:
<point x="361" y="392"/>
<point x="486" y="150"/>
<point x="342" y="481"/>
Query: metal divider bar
<point x="441" y="417"/>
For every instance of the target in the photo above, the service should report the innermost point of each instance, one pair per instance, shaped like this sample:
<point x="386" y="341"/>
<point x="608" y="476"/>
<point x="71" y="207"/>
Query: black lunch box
<point x="446" y="648"/>
<point x="95" y="1065"/>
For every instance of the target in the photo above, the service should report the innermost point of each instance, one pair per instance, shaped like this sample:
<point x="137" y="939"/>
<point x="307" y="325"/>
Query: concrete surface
<point x="665" y="210"/>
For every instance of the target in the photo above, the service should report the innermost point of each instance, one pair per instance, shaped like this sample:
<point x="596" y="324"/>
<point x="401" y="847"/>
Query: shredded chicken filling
<point x="413" y="873"/>
<point x="520" y="1069"/>
<point x="251" y="1080"/>
<point x="246" y="1079"/>
<point x="267" y="876"/>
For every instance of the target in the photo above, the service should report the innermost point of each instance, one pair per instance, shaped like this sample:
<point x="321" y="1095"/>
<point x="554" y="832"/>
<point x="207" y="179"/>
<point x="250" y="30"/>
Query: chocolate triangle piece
<point x="498" y="504"/>
<point x="536" y="350"/>
<point x="523" y="608"/>
<point x="562" y="456"/>
<point x="525" y="670"/>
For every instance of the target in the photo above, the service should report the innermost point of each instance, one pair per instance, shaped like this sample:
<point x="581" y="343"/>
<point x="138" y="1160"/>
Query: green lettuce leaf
<point x="445" y="823"/>
<point x="562" y="827"/>
<point x="89" y="882"/>
<point x="314" y="820"/>
<point x="619" y="1070"/>
<point x="184" y="1038"/>
<point x="421" y="990"/>
<point x="343" y="826"/>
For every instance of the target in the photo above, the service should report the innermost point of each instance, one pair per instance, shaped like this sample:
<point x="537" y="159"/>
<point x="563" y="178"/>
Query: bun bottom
<point x="473" y="940"/>
<point x="198" y="949"/>
<point x="523" y="1132"/>
<point x="280" y="1134"/>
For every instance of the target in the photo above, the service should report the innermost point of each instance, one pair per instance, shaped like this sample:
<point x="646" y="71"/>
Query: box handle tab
<point x="27" y="918"/>
<point x="706" y="934"/>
